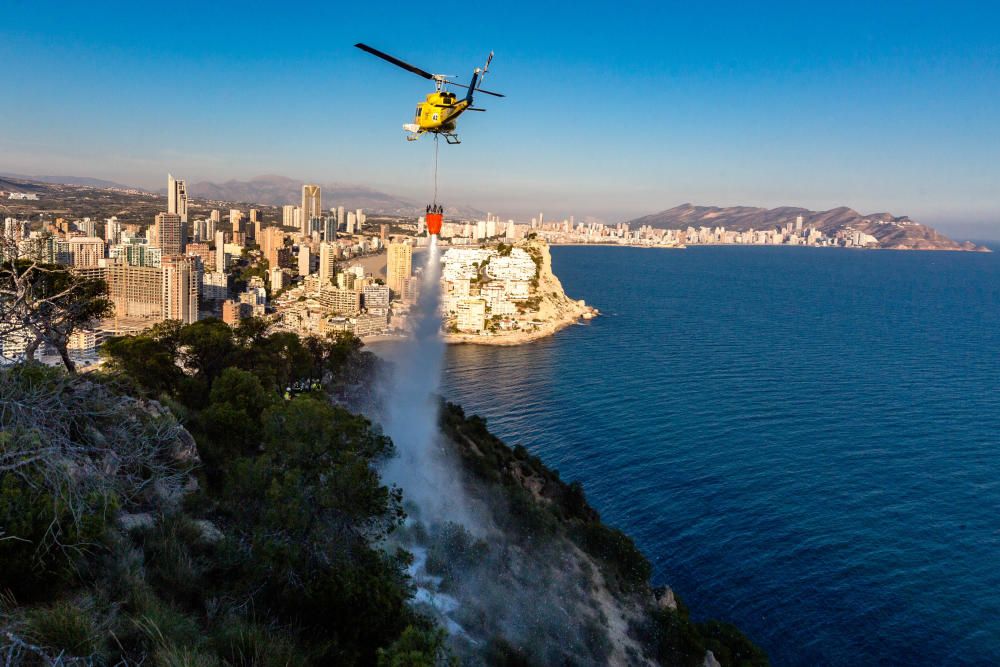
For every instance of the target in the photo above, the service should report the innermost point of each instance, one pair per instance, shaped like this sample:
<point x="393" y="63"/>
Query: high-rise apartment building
<point x="80" y="251"/>
<point x="214" y="286"/>
<point x="87" y="226"/>
<point x="312" y="207"/>
<point x="328" y="254"/>
<point x="169" y="234"/>
<point x="375" y="299"/>
<point x="305" y="260"/>
<point x="399" y="266"/>
<point x="289" y="216"/>
<point x="236" y="219"/>
<point x="137" y="252"/>
<point x="180" y="289"/>
<point x="470" y="314"/>
<point x="204" y="253"/>
<point x="177" y="198"/>
<point x="344" y="301"/>
<point x="220" y="251"/>
<point x="271" y="240"/>
<point x="136" y="291"/>
<point x="277" y="279"/>
<point x="330" y="228"/>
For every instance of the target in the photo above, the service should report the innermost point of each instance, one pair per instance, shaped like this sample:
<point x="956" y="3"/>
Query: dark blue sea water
<point x="805" y="442"/>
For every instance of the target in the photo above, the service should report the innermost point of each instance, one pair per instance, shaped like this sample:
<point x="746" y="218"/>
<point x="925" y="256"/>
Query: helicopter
<point x="441" y="109"/>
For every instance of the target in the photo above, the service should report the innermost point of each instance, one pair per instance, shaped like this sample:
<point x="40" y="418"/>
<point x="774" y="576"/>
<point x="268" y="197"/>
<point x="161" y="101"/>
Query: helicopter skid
<point x="414" y="131"/>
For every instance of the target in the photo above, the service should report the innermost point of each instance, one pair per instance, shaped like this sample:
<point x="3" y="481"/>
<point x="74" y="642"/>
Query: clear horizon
<point x="611" y="114"/>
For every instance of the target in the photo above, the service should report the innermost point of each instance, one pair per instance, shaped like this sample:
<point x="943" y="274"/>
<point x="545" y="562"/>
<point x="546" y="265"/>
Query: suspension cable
<point x="436" y="136"/>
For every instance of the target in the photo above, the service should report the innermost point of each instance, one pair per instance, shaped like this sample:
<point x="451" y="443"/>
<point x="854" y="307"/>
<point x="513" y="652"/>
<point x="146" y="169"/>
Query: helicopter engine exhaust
<point x="434" y="217"/>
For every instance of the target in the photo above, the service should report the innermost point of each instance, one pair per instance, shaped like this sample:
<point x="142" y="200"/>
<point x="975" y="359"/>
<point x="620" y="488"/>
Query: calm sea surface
<point x="805" y="442"/>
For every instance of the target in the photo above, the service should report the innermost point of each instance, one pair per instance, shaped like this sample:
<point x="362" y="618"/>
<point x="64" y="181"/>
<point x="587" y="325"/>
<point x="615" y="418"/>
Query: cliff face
<point x="892" y="232"/>
<point x="554" y="304"/>
<point x="583" y="586"/>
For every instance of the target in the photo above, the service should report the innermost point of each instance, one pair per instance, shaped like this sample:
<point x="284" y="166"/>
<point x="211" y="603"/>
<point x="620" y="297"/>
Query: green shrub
<point x="500" y="653"/>
<point x="160" y="625"/>
<point x="43" y="538"/>
<point x="617" y="553"/>
<point x="730" y="646"/>
<point x="677" y="641"/>
<point x="453" y="550"/>
<point x="64" y="626"/>
<point x="244" y="643"/>
<point x="175" y="559"/>
<point x="416" y="647"/>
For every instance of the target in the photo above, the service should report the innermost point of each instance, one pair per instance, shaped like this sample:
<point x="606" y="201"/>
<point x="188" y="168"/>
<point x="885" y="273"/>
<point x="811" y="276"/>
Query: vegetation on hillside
<point x="119" y="544"/>
<point x="203" y="501"/>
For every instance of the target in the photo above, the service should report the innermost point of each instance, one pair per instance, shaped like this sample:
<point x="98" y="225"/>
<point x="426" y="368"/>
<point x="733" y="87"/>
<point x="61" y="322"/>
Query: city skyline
<point x="869" y="108"/>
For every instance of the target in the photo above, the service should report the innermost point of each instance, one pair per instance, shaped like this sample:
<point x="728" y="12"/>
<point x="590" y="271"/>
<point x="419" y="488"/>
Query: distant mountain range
<point x="70" y="180"/>
<point x="270" y="190"/>
<point x="894" y="232"/>
<point x="900" y="233"/>
<point x="279" y="190"/>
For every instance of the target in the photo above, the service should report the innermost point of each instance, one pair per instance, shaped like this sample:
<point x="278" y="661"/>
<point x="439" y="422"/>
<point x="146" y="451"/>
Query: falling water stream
<point x="432" y="492"/>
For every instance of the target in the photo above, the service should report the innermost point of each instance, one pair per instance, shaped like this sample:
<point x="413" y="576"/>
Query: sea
<point x="805" y="442"/>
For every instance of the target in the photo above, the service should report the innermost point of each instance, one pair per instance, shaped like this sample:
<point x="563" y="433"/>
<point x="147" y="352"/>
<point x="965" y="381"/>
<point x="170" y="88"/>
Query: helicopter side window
<point x="417" y="115"/>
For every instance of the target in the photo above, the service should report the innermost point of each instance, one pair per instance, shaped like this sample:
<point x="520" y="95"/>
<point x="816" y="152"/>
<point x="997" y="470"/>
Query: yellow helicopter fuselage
<point x="439" y="112"/>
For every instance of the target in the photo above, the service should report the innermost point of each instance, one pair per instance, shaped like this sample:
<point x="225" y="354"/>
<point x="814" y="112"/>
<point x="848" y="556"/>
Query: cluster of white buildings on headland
<point x="483" y="287"/>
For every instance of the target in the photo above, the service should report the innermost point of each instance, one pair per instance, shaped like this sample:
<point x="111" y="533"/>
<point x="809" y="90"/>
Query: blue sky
<point x="613" y="109"/>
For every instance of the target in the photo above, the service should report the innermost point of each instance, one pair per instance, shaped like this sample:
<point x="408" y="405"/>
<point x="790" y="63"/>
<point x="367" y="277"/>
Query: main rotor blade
<point x="478" y="90"/>
<point x="395" y="61"/>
